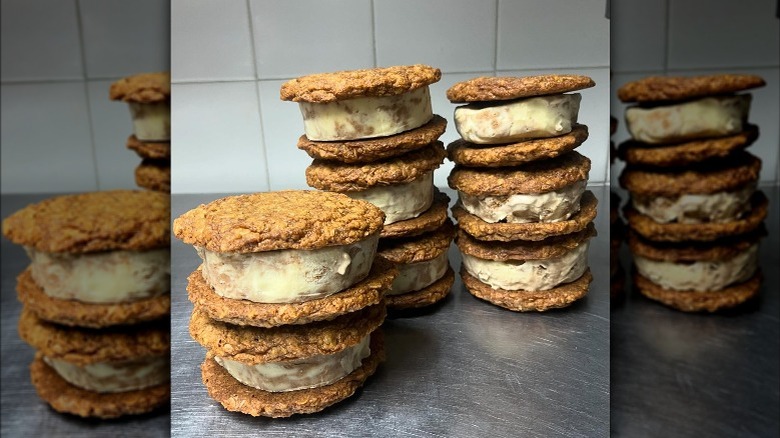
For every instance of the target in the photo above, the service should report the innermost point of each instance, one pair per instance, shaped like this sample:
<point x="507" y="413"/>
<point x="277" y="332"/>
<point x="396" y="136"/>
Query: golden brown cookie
<point x="676" y="232"/>
<point x="525" y="301"/>
<point x="244" y="312"/>
<point x="690" y="251"/>
<point x="90" y="222"/>
<point x="94" y="315"/>
<point x="670" y="88"/>
<point x="237" y="397"/>
<point x="506" y="88"/>
<point x="698" y="301"/>
<point x="342" y="85"/>
<point x="66" y="398"/>
<point x="375" y="149"/>
<point x="424" y="297"/>
<point x="418" y="248"/>
<point x="154" y="175"/>
<point x="429" y="220"/>
<point x="156" y="150"/>
<point x="529" y="231"/>
<point x="343" y="177"/>
<point x="515" y="154"/>
<point x="520" y="250"/>
<point x="295" y="219"/>
<point x="735" y="172"/>
<point x="534" y="177"/>
<point x="142" y="88"/>
<point x="691" y="152"/>
<point x="83" y="346"/>
<point x="252" y="345"/>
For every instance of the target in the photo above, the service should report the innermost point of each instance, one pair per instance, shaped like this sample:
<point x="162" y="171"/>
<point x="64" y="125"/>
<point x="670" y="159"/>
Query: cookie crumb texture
<point x="698" y="301"/>
<point x="484" y="89"/>
<point x="90" y="222"/>
<point x="673" y="88"/>
<point x="142" y="88"/>
<point x="258" y="222"/>
<point x="382" y="81"/>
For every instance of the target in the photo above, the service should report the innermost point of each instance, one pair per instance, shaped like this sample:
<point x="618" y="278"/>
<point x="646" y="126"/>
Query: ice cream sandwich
<point x="149" y="98"/>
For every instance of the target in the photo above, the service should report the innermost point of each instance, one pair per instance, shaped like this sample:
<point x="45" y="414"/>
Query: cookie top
<point x="418" y="248"/>
<point x="342" y="85"/>
<point x="342" y="177"/>
<point x="521" y="250"/>
<point x="514" y="154"/>
<point x="366" y="151"/>
<point x="83" y="346"/>
<point x="686" y="251"/>
<point x="671" y="88"/>
<point x="295" y="219"/>
<point x="154" y="175"/>
<point x="91" y="222"/>
<point x="254" y="345"/>
<point x="142" y="88"/>
<point x="507" y="88"/>
<point x="534" y="177"/>
<point x="429" y="220"/>
<point x="736" y="171"/>
<point x="157" y="150"/>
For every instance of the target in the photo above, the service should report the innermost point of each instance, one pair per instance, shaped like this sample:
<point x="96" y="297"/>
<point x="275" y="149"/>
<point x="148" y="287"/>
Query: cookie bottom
<point x="66" y="398"/>
<point x="429" y="220"/>
<point x="426" y="296"/>
<point x="237" y="397"/>
<point x="93" y="315"/>
<point x="525" y="301"/>
<point x="696" y="301"/>
<point x="156" y="150"/>
<point x="154" y="175"/>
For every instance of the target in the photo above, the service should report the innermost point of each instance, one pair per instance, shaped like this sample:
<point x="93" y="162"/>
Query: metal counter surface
<point x="22" y="413"/>
<point x="699" y="375"/>
<point x="467" y="368"/>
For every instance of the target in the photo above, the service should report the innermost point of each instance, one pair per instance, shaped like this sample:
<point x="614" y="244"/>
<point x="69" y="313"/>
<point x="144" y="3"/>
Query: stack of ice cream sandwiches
<point x="149" y="98"/>
<point x="617" y="228"/>
<point x="695" y="216"/>
<point x="96" y="300"/>
<point x="373" y="136"/>
<point x="524" y="214"/>
<point x="288" y="299"/>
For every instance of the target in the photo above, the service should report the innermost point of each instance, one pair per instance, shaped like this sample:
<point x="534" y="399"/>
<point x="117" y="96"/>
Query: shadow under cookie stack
<point x="149" y="98"/>
<point x="695" y="216"/>
<point x="96" y="300"/>
<point x="288" y="300"/>
<point x="524" y="214"/>
<point x="373" y="136"/>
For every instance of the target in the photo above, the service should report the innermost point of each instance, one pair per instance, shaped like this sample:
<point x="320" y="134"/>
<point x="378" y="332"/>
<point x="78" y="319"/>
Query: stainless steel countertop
<point x="22" y="413"/>
<point x="465" y="369"/>
<point x="699" y="375"/>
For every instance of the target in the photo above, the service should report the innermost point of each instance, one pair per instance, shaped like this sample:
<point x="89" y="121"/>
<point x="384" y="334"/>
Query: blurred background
<point x="232" y="133"/>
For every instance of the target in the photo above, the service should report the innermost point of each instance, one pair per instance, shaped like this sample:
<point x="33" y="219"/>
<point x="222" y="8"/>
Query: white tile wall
<point x="60" y="132"/>
<point x="690" y="37"/>
<point x="458" y="36"/>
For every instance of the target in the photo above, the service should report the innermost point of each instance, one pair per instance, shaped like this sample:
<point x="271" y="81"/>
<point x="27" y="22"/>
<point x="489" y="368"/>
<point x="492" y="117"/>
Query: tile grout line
<point x="256" y="81"/>
<point x="667" y="30"/>
<point x="495" y="39"/>
<point x="86" y="93"/>
<point x="373" y="31"/>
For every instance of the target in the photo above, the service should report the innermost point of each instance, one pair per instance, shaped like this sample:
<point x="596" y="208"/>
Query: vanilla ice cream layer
<point x="415" y="276"/>
<point x="102" y="277"/>
<point x="366" y="117"/>
<point x="288" y="275"/>
<point x="555" y="206"/>
<point x="310" y="372"/>
<point x="534" y="117"/>
<point x="114" y="376"/>
<point x="701" y="118"/>
<point x="151" y="121"/>
<point x="695" y="209"/>
<point x="699" y="276"/>
<point x="532" y="275"/>
<point x="400" y="201"/>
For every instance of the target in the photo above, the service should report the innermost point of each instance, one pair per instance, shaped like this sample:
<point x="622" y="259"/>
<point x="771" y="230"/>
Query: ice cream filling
<point x="708" y="117"/>
<point x="533" y="117"/>
<point x="102" y="277"/>
<point x="366" y="117"/>
<point x="694" y="209"/>
<point x="708" y="275"/>
<point x="400" y="201"/>
<point x="121" y="376"/>
<point x="289" y="275"/>
<point x="151" y="121"/>
<point x="415" y="276"/>
<point x="555" y="206"/>
<point x="531" y="275"/>
<point x="310" y="372"/>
